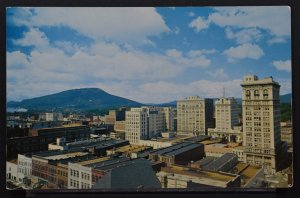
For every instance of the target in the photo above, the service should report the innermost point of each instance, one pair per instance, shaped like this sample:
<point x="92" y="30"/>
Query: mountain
<point x="76" y="99"/>
<point x="287" y="98"/>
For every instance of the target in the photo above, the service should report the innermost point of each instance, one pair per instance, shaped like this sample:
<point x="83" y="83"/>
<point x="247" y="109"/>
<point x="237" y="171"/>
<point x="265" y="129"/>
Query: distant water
<point x="11" y="110"/>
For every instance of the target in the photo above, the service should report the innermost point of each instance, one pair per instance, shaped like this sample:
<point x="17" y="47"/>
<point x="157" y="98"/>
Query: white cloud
<point x="243" y="51"/>
<point x="194" y="53"/>
<point x="274" y="19"/>
<point x="176" y="30"/>
<point x="283" y="65"/>
<point x="276" y="40"/>
<point x="163" y="91"/>
<point x="88" y="66"/>
<point x="174" y="53"/>
<point x="121" y="24"/>
<point x="199" y="24"/>
<point x="218" y="74"/>
<point x="285" y="85"/>
<point x="191" y="14"/>
<point x="34" y="37"/>
<point x="244" y="35"/>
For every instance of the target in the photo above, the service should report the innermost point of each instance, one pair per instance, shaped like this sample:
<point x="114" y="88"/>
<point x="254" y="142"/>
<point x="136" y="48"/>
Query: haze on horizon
<point x="149" y="55"/>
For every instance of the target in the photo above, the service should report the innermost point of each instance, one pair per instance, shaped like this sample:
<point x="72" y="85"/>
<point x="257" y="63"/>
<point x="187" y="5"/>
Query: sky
<point x="150" y="55"/>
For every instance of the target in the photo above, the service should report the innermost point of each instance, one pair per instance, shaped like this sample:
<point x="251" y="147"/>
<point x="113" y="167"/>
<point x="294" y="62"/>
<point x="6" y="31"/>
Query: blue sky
<point x="150" y="55"/>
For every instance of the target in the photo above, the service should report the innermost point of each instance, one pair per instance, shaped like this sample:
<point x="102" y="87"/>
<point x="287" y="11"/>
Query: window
<point x="247" y="94"/>
<point x="266" y="94"/>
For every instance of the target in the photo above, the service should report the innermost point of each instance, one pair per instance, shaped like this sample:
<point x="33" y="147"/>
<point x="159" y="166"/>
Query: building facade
<point x="144" y="123"/>
<point x="136" y="125"/>
<point x="80" y="177"/>
<point x="194" y="115"/>
<point x="261" y="122"/>
<point x="169" y="115"/>
<point x="227" y="119"/>
<point x="24" y="169"/>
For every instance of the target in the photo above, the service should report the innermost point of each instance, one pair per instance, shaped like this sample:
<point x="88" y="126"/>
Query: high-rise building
<point x="227" y="119"/>
<point x="144" y="123"/>
<point x="261" y="122"/>
<point x="194" y="115"/>
<point x="136" y="125"/>
<point x="169" y="115"/>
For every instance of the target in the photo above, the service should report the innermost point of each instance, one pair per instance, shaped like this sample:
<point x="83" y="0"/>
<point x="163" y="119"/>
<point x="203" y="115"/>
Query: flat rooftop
<point x="65" y="156"/>
<point x="131" y="148"/>
<point x="220" y="162"/>
<point x="199" y="138"/>
<point x="75" y="159"/>
<point x="101" y="164"/>
<point x="63" y="127"/>
<point x="162" y="151"/>
<point x="176" y="138"/>
<point x="217" y="145"/>
<point x="49" y="153"/>
<point x="201" y="174"/>
<point x="183" y="149"/>
<point x="247" y="171"/>
<point x="206" y="142"/>
<point x="93" y="161"/>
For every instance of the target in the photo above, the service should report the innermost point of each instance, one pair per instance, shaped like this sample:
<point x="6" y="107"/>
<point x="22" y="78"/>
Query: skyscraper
<point x="194" y="115"/>
<point x="143" y="123"/>
<point x="261" y="122"/>
<point x="227" y="119"/>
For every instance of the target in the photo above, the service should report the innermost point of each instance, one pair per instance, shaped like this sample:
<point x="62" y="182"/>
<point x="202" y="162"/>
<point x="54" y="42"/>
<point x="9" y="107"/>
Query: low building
<point x="84" y="174"/>
<point x="119" y="126"/>
<point x="24" y="169"/>
<point x="166" y="141"/>
<point x="39" y="139"/>
<point x="251" y="176"/>
<point x="225" y="163"/>
<point x="181" y="153"/>
<point x="12" y="171"/>
<point x="132" y="174"/>
<point x="198" y="165"/>
<point x="183" y="177"/>
<point x="216" y="150"/>
<point x="117" y="135"/>
<point x="239" y="151"/>
<point x="133" y="151"/>
<point x="42" y="170"/>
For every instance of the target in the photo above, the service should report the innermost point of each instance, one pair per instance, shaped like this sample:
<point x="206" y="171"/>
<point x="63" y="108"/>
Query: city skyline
<point x="164" y="54"/>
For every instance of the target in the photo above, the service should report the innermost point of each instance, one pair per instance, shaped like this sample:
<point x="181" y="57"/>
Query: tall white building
<point x="136" y="125"/>
<point x="144" y="123"/>
<point x="156" y="121"/>
<point x="261" y="122"/>
<point x="194" y="115"/>
<point x="227" y="119"/>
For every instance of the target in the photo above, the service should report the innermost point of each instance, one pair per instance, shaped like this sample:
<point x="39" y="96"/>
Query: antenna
<point x="223" y="92"/>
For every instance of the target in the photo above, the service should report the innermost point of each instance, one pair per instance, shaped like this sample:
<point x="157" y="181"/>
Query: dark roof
<point x="73" y="159"/>
<point x="198" y="138"/>
<point x="138" y="174"/>
<point x="205" y="161"/>
<point x="107" y="164"/>
<point x="162" y="151"/>
<point x="183" y="149"/>
<point x="99" y="144"/>
<point x="220" y="162"/>
<point x="51" y="153"/>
